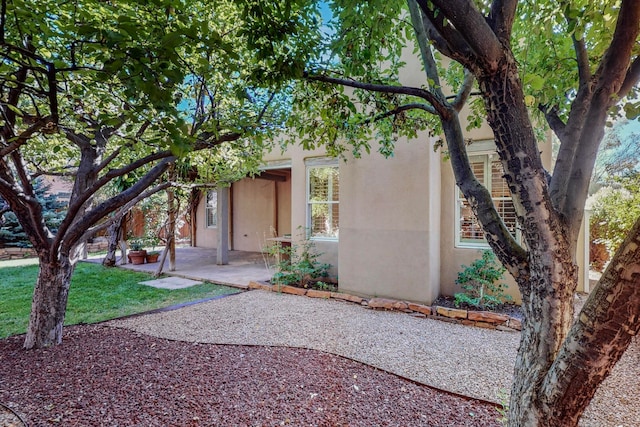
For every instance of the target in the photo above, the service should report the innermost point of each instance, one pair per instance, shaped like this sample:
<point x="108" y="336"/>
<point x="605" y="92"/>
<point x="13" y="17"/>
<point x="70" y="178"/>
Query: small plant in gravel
<point x="503" y="408"/>
<point x="479" y="281"/>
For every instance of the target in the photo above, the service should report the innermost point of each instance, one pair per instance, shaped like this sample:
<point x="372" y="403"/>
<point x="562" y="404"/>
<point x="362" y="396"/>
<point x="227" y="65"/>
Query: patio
<point x="200" y="264"/>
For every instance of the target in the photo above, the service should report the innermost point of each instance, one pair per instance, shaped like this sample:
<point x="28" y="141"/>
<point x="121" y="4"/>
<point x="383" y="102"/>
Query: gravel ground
<point x="470" y="361"/>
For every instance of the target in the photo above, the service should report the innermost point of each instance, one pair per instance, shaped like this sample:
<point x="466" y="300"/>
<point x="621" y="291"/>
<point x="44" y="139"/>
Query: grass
<point x="97" y="293"/>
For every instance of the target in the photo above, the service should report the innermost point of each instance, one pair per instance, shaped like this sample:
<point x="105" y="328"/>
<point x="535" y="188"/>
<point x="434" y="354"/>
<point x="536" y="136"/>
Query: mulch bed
<point x="101" y="376"/>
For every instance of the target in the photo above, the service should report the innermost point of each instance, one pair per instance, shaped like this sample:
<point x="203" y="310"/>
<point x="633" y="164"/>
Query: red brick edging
<point x="481" y="319"/>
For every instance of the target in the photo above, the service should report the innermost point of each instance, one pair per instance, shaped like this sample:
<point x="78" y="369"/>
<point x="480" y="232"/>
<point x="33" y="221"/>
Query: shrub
<point x="297" y="264"/>
<point x="479" y="283"/>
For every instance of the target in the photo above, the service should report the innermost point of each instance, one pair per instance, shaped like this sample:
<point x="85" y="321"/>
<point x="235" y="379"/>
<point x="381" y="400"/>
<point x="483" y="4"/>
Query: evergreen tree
<point x="11" y="232"/>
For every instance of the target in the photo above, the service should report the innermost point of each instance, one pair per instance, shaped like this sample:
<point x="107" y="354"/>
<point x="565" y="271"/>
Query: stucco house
<point x="390" y="227"/>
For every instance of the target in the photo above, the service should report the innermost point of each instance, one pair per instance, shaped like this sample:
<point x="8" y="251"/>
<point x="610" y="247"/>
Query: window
<point x="488" y="170"/>
<point x="323" y="206"/>
<point x="211" y="209"/>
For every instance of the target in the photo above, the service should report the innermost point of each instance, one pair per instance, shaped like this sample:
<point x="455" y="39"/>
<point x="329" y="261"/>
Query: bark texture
<point x="49" y="303"/>
<point x="114" y="236"/>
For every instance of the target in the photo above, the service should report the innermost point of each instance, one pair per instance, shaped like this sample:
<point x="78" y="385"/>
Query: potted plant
<point x="137" y="254"/>
<point x="153" y="255"/>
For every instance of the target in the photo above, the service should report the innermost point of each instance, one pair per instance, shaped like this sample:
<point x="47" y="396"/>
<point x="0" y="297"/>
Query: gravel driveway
<point x="471" y="361"/>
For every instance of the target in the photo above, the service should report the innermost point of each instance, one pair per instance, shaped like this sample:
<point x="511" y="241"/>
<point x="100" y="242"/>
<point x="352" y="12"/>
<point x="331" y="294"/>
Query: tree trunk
<point x="113" y="242"/>
<point x="49" y="303"/>
<point x="549" y="278"/>
<point x="171" y="229"/>
<point x="548" y="310"/>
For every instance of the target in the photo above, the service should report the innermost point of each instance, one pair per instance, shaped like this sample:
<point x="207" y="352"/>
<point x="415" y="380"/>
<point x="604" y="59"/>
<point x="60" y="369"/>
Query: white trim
<point x="321" y="161"/>
<point x="207" y="208"/>
<point x="316" y="163"/>
<point x="487" y="158"/>
<point x="276" y="164"/>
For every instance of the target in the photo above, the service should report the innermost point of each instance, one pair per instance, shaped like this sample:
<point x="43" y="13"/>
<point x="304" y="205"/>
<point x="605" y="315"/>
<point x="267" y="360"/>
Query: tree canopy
<point x="103" y="91"/>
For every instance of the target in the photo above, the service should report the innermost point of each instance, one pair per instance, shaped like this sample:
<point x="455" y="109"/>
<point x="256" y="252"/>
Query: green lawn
<point x="97" y="293"/>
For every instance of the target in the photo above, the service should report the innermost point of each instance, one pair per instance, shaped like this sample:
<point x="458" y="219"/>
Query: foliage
<point x="97" y="294"/>
<point x="299" y="265"/>
<point x="479" y="283"/>
<point x="137" y="245"/>
<point x="53" y="211"/>
<point x="118" y="91"/>
<point x="503" y="407"/>
<point x="614" y="210"/>
<point x="616" y="203"/>
<point x="619" y="156"/>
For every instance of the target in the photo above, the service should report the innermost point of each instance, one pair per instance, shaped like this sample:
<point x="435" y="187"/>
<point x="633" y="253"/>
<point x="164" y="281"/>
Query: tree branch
<point x="406" y="107"/>
<point x="609" y="78"/>
<point x="403" y="90"/>
<point x="633" y="75"/>
<point x="501" y="17"/>
<point x="582" y="57"/>
<point x="464" y="92"/>
<point x="68" y="237"/>
<point x="553" y="120"/>
<point x="508" y="251"/>
<point x="23" y="138"/>
<point x="600" y="335"/>
<point x="420" y="25"/>
<point x="91" y="232"/>
<point x="445" y="38"/>
<point x="472" y="26"/>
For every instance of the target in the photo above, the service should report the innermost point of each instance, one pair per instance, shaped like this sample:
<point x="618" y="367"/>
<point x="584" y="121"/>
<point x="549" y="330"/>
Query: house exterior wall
<point x="390" y="223"/>
<point x="205" y="237"/>
<point x="254" y="210"/>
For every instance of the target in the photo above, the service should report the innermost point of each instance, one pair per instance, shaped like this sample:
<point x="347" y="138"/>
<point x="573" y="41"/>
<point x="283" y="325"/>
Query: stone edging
<point x="481" y="319"/>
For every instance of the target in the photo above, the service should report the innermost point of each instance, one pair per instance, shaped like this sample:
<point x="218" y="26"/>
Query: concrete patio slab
<point x="171" y="283"/>
<point x="200" y="264"/>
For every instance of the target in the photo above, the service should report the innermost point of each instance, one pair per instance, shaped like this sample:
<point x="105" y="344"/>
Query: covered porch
<point x="198" y="263"/>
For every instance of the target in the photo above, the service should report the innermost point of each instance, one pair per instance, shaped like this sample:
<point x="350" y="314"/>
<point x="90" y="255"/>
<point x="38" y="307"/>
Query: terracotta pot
<point x="137" y="257"/>
<point x="152" y="257"/>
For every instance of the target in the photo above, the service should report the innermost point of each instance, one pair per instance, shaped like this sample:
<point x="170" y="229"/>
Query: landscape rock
<point x="452" y="313"/>
<point x="347" y="297"/>
<point x="388" y="304"/>
<point x="515" y="324"/>
<point x="313" y="293"/>
<point x="292" y="290"/>
<point x="424" y="309"/>
<point x="486" y="316"/>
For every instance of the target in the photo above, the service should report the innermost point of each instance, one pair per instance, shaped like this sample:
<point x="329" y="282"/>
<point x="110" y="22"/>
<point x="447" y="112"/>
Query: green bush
<point x="614" y="210"/>
<point x="479" y="283"/>
<point x="297" y="264"/>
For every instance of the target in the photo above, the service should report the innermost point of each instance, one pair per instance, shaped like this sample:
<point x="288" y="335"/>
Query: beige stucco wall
<point x="253" y="213"/>
<point x="205" y="237"/>
<point x="390" y="223"/>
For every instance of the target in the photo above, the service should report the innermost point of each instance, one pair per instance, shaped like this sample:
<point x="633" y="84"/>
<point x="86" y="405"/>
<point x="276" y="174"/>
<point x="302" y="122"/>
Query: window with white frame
<point x="323" y="201"/>
<point x="211" y="209"/>
<point x="488" y="170"/>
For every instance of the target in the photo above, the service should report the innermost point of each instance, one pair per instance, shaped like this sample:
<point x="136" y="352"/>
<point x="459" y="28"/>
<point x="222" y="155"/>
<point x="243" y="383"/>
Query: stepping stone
<point x="171" y="283"/>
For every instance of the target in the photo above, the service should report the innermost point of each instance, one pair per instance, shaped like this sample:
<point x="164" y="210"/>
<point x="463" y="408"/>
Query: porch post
<point x="223" y="226"/>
